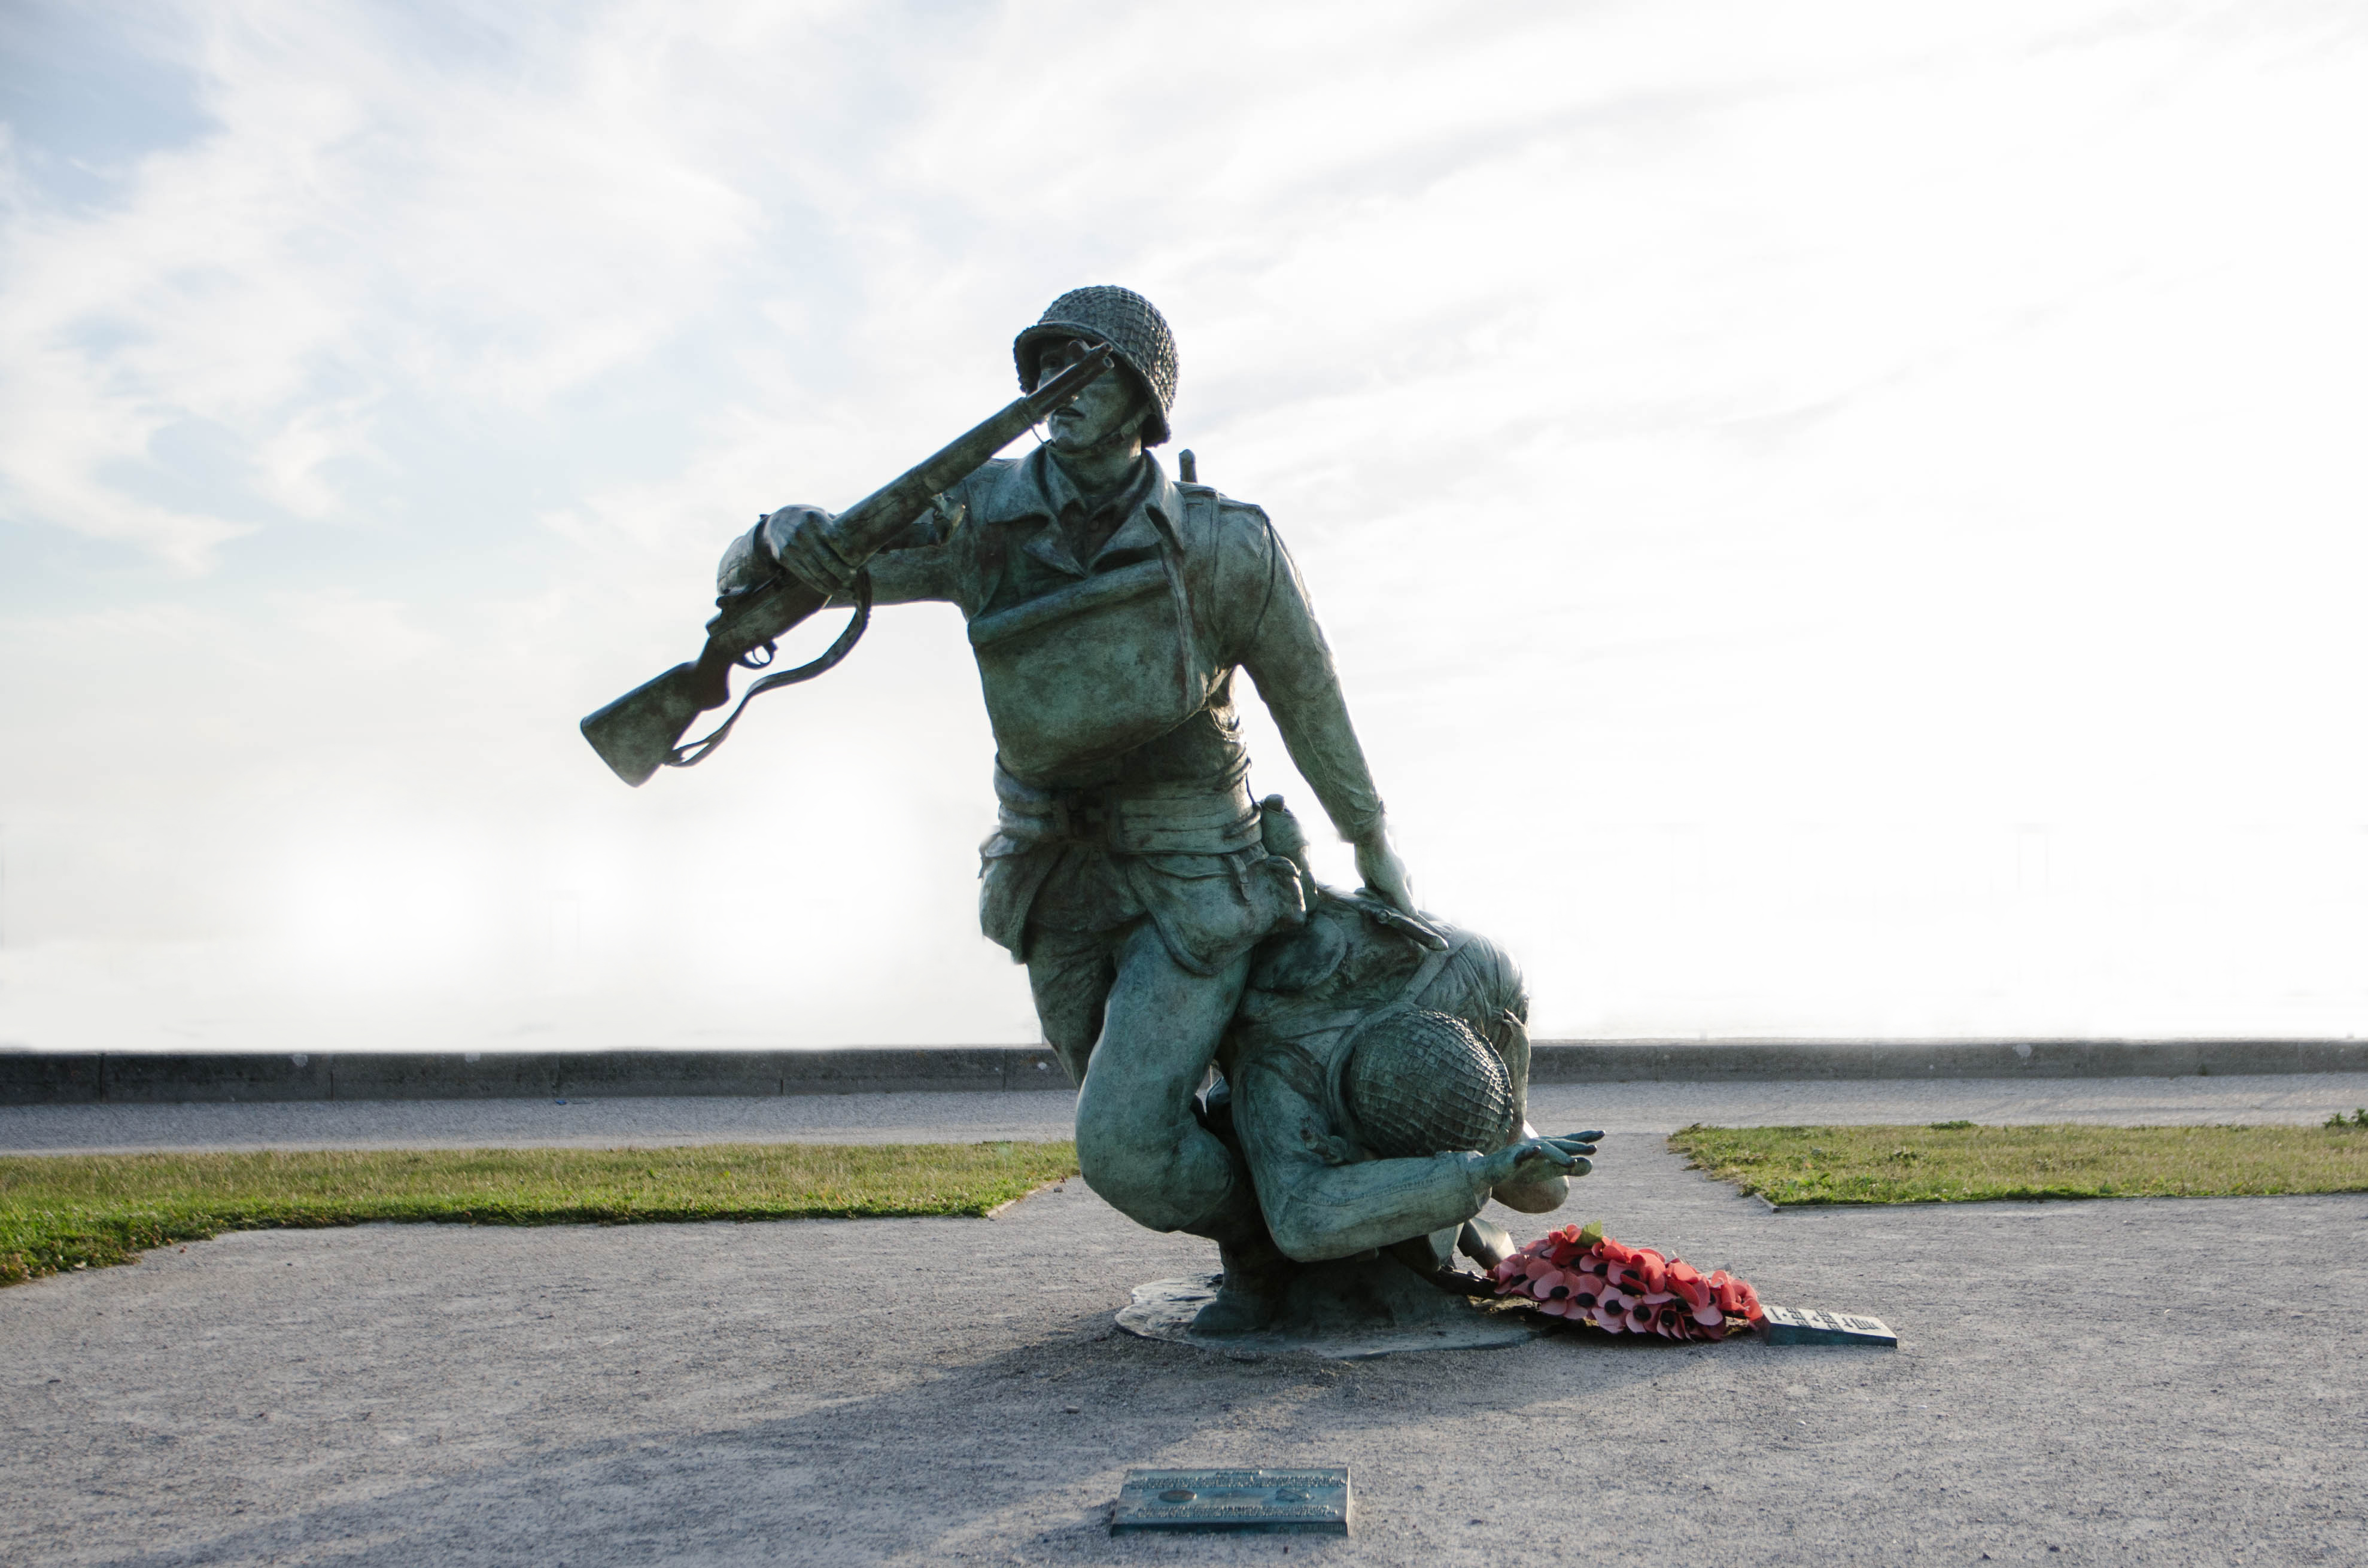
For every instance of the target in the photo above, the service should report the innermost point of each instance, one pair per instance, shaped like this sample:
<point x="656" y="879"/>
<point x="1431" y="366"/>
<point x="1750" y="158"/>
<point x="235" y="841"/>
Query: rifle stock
<point x="641" y="731"/>
<point x="636" y="735"/>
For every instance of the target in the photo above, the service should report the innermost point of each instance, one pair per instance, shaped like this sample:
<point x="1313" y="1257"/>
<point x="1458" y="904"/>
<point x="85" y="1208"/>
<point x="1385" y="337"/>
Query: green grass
<point x="66" y="1212"/>
<point x="1956" y="1161"/>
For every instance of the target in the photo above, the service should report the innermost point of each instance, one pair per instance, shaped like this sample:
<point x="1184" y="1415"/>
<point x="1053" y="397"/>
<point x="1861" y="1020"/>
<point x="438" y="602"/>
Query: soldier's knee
<point x="1135" y="1178"/>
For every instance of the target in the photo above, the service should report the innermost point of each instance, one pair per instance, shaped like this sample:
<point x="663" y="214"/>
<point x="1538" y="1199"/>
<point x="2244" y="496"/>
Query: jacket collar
<point x="1035" y="489"/>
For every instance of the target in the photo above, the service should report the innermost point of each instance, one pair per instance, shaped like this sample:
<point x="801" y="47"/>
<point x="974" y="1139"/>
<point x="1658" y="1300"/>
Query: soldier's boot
<point x="1257" y="1278"/>
<point x="1257" y="1272"/>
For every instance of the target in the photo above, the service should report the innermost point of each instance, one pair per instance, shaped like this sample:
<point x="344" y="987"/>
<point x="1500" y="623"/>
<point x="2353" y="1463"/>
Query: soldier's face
<point x="1109" y="404"/>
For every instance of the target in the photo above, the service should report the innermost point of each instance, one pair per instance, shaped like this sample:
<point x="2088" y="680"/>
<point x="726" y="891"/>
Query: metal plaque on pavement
<point x="1799" y="1325"/>
<point x="1312" y="1500"/>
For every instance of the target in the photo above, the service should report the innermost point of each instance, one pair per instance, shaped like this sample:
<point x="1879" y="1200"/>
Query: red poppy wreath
<point x="1585" y="1276"/>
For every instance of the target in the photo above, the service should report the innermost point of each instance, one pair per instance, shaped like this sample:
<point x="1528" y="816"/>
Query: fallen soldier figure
<point x="1375" y="1081"/>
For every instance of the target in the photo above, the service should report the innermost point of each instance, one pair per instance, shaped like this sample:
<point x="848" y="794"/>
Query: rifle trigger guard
<point x="751" y="660"/>
<point x="693" y="753"/>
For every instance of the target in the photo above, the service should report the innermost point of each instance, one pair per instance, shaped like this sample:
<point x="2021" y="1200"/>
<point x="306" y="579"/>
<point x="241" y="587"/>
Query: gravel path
<point x="2143" y="1382"/>
<point x="971" y="1118"/>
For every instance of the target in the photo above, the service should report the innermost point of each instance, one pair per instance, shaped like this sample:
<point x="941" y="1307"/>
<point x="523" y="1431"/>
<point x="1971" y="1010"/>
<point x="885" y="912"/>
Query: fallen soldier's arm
<point x="1318" y="1208"/>
<point x="1542" y="1193"/>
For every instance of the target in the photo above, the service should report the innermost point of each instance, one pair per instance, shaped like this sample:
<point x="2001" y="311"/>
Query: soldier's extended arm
<point x="910" y="568"/>
<point x="1272" y="634"/>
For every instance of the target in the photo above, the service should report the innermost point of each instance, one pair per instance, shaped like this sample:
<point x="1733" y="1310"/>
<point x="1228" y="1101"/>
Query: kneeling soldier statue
<point x="1109" y="609"/>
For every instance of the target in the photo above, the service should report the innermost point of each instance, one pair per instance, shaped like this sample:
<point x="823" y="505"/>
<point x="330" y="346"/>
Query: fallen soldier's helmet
<point x="1417" y="1081"/>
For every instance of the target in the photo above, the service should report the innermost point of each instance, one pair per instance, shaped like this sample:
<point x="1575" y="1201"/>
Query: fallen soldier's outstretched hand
<point x="1537" y="1159"/>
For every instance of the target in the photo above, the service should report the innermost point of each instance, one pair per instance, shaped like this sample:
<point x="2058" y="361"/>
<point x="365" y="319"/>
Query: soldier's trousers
<point x="1138" y="1031"/>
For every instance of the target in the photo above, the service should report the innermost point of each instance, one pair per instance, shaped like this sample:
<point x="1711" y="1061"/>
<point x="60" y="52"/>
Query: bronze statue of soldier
<point x="1109" y="609"/>
<point x="1168" y="922"/>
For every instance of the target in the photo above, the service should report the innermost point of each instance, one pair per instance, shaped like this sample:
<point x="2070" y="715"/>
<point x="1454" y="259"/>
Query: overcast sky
<point x="1835" y="520"/>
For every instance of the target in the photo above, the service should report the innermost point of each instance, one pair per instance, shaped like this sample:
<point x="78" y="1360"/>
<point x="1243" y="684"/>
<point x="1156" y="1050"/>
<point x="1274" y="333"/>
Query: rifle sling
<point x="693" y="753"/>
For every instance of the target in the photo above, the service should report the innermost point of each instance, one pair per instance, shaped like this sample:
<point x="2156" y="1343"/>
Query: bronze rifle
<point x="641" y="731"/>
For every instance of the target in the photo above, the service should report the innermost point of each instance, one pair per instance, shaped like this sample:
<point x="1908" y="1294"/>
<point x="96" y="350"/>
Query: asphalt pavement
<point x="2136" y="1382"/>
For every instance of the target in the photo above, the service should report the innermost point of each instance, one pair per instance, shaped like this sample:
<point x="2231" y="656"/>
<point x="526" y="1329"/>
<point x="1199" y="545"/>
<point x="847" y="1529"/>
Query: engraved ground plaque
<point x="1799" y="1325"/>
<point x="1311" y="1500"/>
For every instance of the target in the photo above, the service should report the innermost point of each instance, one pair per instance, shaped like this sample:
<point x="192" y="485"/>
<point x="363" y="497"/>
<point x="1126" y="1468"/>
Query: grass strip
<point x="62" y="1211"/>
<point x="1957" y="1162"/>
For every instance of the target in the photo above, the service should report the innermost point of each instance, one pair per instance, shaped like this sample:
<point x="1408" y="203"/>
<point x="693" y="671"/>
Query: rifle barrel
<point x="753" y="619"/>
<point x="638" y="734"/>
<point x="871" y="522"/>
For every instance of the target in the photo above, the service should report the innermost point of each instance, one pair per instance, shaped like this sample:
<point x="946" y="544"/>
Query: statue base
<point x="1348" y="1310"/>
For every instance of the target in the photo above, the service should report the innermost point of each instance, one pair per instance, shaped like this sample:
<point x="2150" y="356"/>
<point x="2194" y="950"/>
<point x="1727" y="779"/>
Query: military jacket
<point x="1121" y="774"/>
<point x="1235" y="603"/>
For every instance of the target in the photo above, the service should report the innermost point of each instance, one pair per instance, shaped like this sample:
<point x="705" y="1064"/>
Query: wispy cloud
<point x="1773" y="479"/>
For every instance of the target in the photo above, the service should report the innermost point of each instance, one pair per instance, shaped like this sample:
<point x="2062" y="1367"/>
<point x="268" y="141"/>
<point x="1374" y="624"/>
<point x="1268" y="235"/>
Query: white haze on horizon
<point x="1835" y="520"/>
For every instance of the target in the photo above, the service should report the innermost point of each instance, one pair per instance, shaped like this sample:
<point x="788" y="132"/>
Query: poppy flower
<point x="1580" y="1275"/>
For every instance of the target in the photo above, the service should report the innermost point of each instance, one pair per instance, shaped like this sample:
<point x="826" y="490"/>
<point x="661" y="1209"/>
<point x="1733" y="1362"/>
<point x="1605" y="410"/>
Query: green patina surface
<point x="87" y="1211"/>
<point x="1958" y="1162"/>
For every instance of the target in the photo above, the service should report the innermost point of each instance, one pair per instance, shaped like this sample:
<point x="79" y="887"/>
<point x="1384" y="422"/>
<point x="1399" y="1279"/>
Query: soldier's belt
<point x="1140" y="819"/>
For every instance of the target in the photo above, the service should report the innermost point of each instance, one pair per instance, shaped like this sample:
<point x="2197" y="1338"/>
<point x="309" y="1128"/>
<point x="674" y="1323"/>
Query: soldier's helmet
<point x="1417" y="1081"/>
<point x="1128" y="322"/>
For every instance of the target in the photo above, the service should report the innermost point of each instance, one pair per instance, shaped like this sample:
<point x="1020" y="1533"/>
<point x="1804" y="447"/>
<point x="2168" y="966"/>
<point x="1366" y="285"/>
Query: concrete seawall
<point x="142" y="1078"/>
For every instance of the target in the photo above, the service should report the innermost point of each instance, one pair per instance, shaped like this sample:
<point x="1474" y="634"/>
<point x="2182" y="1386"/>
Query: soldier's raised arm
<point x="912" y="567"/>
